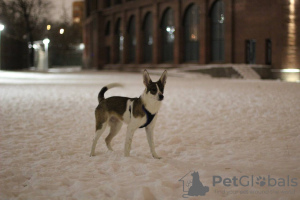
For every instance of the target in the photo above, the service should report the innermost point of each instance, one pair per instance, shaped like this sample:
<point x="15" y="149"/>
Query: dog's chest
<point x="134" y="114"/>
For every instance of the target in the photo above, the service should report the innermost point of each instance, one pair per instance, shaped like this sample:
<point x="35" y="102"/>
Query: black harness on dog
<point x="149" y="117"/>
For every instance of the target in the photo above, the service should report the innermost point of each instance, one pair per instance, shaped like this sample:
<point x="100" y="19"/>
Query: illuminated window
<point x="119" y="42"/>
<point x="168" y="35"/>
<point x="76" y="20"/>
<point x="191" y="37"/>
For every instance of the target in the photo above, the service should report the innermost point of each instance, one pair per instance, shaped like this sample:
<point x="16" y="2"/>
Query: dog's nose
<point x="161" y="97"/>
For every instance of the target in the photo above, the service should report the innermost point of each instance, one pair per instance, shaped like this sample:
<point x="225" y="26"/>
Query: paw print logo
<point x="261" y="181"/>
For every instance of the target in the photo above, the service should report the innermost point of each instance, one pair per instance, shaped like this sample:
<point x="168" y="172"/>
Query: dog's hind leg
<point x="96" y="138"/>
<point x="115" y="126"/>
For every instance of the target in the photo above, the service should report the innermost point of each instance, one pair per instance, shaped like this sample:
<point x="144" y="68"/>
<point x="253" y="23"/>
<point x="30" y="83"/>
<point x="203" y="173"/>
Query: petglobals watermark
<point x="246" y="184"/>
<point x="192" y="186"/>
<point x="250" y="181"/>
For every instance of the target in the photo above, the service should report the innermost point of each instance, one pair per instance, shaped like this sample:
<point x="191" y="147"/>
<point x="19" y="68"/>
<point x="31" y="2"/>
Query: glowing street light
<point x="1" y="29"/>
<point x="46" y="42"/>
<point x="48" y="27"/>
<point x="81" y="46"/>
<point x="61" y="31"/>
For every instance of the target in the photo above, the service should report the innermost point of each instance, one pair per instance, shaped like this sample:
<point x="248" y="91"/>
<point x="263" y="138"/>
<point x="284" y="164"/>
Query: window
<point x="168" y="36"/>
<point x="118" y="1"/>
<point x="268" y="51"/>
<point x="217" y="31"/>
<point x="107" y="3"/>
<point x="148" y="38"/>
<point x="191" y="36"/>
<point x="119" y="41"/>
<point x="107" y="50"/>
<point x="107" y="28"/>
<point x="131" y="39"/>
<point x="250" y="51"/>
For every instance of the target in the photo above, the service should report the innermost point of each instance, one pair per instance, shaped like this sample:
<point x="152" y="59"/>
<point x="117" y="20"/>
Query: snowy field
<point x="217" y="127"/>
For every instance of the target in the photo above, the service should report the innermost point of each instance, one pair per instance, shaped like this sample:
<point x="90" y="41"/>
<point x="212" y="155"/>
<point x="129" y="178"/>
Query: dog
<point x="135" y="112"/>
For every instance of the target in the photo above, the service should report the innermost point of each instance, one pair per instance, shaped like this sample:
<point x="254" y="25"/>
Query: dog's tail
<point x="105" y="88"/>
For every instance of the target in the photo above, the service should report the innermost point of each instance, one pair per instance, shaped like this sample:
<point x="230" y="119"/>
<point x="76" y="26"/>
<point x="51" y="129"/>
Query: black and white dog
<point x="136" y="112"/>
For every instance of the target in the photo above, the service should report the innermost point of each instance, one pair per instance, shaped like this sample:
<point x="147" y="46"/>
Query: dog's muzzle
<point x="160" y="97"/>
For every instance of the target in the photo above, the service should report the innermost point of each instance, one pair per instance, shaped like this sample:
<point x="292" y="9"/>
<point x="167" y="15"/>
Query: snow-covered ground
<point x="217" y="127"/>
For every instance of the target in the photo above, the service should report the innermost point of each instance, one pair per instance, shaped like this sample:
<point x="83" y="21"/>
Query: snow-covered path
<point x="217" y="127"/>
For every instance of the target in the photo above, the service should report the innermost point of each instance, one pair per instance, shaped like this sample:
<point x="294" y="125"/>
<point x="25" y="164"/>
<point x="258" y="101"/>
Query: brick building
<point x="167" y="33"/>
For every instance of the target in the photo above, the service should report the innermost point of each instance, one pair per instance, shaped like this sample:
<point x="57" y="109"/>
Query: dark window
<point x="217" y="31"/>
<point x="191" y="36"/>
<point x="88" y="10"/>
<point x="168" y="36"/>
<point x="148" y="38"/>
<point x="118" y="1"/>
<point x="119" y="42"/>
<point x="268" y="51"/>
<point x="107" y="28"/>
<point x="250" y="51"/>
<point x="107" y="3"/>
<point x="107" y="49"/>
<point x="131" y="40"/>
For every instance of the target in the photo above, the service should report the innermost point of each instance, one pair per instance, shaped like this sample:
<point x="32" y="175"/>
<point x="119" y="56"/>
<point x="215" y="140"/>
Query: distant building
<point x="129" y="33"/>
<point x="78" y="12"/>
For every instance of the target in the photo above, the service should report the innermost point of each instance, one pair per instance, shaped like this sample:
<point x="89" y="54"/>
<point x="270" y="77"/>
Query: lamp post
<point x="46" y="42"/>
<point x="1" y="29"/>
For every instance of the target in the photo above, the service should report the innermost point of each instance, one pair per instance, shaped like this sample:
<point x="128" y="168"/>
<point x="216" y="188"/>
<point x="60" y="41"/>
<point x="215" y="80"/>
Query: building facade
<point x="78" y="12"/>
<point x="176" y="33"/>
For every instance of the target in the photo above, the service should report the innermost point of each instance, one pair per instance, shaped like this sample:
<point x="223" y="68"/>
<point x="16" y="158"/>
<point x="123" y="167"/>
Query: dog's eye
<point x="153" y="90"/>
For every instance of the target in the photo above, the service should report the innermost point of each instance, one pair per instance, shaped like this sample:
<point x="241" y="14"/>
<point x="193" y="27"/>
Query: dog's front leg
<point x="128" y="141"/>
<point x="149" y="132"/>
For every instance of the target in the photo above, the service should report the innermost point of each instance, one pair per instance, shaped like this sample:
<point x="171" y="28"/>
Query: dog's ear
<point x="146" y="77"/>
<point x="163" y="78"/>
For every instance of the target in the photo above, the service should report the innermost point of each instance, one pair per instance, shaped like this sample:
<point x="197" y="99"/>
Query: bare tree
<point x="25" y="16"/>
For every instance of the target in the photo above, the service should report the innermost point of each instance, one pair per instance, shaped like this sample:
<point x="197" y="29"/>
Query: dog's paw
<point x="92" y="154"/>
<point x="157" y="157"/>
<point x="109" y="148"/>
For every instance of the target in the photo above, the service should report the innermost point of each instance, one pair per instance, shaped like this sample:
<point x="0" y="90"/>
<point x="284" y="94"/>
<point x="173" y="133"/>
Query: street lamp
<point x="1" y="29"/>
<point x="46" y="42"/>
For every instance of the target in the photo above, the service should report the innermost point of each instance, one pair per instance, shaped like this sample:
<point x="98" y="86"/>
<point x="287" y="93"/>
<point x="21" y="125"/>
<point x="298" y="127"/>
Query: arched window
<point x="107" y="28"/>
<point x="217" y="31"/>
<point x="131" y="40"/>
<point x="168" y="36"/>
<point x="119" y="41"/>
<point x="191" y="36"/>
<point x="148" y="38"/>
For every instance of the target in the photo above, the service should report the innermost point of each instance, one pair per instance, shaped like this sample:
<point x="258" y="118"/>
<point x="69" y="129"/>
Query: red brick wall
<point x="244" y="19"/>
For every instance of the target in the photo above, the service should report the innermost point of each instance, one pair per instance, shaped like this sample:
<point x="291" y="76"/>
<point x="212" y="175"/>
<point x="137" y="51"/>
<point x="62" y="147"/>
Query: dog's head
<point x="155" y="90"/>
